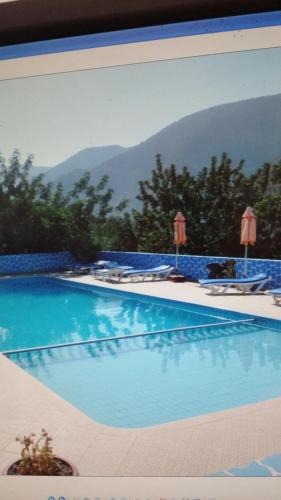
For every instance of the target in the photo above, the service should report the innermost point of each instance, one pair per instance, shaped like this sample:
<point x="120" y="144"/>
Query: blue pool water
<point x="144" y="381"/>
<point x="45" y="311"/>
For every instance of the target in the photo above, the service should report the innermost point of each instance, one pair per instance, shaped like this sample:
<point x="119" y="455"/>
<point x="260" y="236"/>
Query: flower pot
<point x="64" y="468"/>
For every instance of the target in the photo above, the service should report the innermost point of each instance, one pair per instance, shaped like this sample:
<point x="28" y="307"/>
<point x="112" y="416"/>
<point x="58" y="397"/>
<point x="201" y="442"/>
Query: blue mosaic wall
<point x="194" y="266"/>
<point x="28" y="263"/>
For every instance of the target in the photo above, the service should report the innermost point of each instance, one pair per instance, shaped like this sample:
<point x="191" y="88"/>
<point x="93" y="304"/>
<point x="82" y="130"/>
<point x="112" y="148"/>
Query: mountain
<point x="38" y="170"/>
<point x="79" y="163"/>
<point x="249" y="130"/>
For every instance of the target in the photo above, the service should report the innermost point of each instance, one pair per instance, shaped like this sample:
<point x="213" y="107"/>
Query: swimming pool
<point x="140" y="381"/>
<point x="43" y="311"/>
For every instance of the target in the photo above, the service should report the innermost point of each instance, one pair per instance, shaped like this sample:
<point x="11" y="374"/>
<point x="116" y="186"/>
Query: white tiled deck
<point x="195" y="446"/>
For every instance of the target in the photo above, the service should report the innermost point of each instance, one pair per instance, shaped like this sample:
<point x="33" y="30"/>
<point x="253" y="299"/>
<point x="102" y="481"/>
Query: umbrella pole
<point x="177" y="257"/>
<point x="245" y="260"/>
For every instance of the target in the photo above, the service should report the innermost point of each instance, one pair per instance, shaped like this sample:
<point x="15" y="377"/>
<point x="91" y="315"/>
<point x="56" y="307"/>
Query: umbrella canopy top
<point x="248" y="214"/>
<point x="179" y="217"/>
<point x="179" y="229"/>
<point x="248" y="227"/>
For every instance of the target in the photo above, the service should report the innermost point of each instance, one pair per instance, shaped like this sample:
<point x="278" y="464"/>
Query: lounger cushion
<point x="251" y="279"/>
<point x="158" y="269"/>
<point x="113" y="269"/>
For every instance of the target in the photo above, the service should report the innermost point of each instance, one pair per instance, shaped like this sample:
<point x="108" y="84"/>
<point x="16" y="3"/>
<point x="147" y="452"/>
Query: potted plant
<point x="37" y="458"/>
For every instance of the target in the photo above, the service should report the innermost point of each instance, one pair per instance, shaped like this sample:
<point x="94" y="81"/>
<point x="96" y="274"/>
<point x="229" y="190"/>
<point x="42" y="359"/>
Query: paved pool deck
<point x="197" y="446"/>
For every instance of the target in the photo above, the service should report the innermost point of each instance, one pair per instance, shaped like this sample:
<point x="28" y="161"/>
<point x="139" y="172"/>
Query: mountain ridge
<point x="85" y="159"/>
<point x="249" y="129"/>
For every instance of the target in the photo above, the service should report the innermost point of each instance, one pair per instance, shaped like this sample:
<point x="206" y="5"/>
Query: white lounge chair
<point x="252" y="284"/>
<point x="276" y="293"/>
<point x="111" y="273"/>
<point x="159" y="272"/>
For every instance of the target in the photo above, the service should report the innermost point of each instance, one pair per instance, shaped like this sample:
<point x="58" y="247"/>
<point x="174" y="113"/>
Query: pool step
<point x="133" y="335"/>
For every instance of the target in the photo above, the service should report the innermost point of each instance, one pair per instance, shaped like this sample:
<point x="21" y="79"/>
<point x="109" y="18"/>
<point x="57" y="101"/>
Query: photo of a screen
<point x="140" y="262"/>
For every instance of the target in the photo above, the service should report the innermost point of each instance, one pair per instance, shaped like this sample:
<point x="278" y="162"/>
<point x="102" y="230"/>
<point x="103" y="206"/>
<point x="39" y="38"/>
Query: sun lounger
<point x="111" y="273"/>
<point x="276" y="293"/>
<point x="159" y="272"/>
<point x="120" y="272"/>
<point x="86" y="268"/>
<point x="79" y="268"/>
<point x="252" y="284"/>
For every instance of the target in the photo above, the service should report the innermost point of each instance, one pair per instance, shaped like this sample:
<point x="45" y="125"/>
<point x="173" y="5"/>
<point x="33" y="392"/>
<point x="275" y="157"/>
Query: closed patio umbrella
<point x="248" y="232"/>
<point x="179" y="233"/>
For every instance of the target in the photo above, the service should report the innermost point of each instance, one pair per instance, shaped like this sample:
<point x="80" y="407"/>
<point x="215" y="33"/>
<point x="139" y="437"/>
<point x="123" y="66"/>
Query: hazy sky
<point x="55" y="116"/>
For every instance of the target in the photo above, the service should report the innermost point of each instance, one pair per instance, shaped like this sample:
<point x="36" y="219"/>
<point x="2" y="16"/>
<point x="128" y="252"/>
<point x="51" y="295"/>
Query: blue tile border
<point x="193" y="267"/>
<point x="37" y="262"/>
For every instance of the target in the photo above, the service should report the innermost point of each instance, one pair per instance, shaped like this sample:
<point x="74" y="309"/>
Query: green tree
<point x="268" y="212"/>
<point x="88" y="206"/>
<point x="226" y="193"/>
<point x="35" y="217"/>
<point x="166" y="193"/>
<point x="267" y="207"/>
<point x="116" y="233"/>
<point x="212" y="203"/>
<point x="28" y="221"/>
